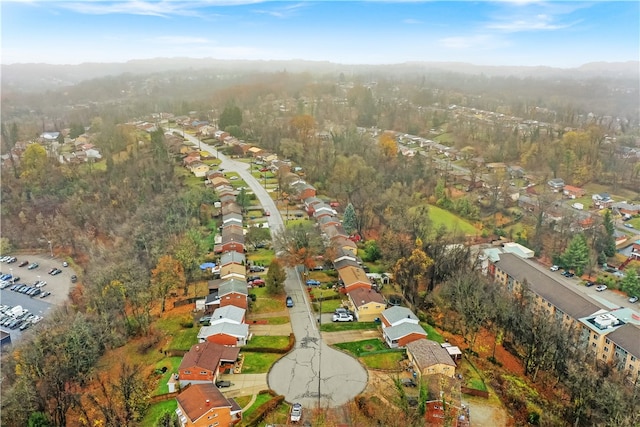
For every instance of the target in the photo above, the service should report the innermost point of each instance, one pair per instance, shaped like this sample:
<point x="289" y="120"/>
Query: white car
<point x="342" y="317"/>
<point x="296" y="413"/>
<point x="554" y="268"/>
<point x="601" y="288"/>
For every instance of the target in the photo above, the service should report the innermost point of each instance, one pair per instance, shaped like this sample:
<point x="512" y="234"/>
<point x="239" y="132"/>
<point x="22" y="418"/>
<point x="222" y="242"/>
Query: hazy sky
<point x="518" y="32"/>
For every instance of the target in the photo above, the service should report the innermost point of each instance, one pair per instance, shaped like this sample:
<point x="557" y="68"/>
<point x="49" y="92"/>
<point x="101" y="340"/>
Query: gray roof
<point x="543" y="283"/>
<point x="232" y="329"/>
<point x="428" y="353"/>
<point x="232" y="257"/>
<point x="628" y="338"/>
<point x="232" y="286"/>
<point x="345" y="263"/>
<point x="397" y="313"/>
<point x="229" y="312"/>
<point x="402" y="330"/>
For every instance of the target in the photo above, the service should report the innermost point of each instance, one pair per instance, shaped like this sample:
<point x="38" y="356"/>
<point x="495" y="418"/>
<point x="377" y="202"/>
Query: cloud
<point x="282" y="12"/>
<point x="518" y="16"/>
<point x="539" y="22"/>
<point x="411" y="21"/>
<point x="164" y="8"/>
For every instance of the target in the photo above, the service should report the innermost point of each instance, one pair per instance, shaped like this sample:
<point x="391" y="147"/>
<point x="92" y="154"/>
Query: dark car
<point x="52" y="270"/>
<point x="23" y="263"/>
<point x="56" y="271"/>
<point x="252" y="278"/>
<point x="223" y="384"/>
<point x="74" y="278"/>
<point x="409" y="382"/>
<point x="313" y="282"/>
<point x="289" y="302"/>
<point x="589" y="284"/>
<point x="256" y="268"/>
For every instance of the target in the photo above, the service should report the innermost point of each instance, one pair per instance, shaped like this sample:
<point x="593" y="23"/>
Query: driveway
<point x="313" y="373"/>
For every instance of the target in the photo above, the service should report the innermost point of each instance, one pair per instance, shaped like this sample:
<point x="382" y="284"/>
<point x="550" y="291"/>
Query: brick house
<point x="368" y="304"/>
<point x="203" y="405"/>
<point x="204" y="361"/>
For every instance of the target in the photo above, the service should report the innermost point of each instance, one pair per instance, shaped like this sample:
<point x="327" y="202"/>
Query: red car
<point x="264" y="170"/>
<point x="258" y="283"/>
<point x="23" y="263"/>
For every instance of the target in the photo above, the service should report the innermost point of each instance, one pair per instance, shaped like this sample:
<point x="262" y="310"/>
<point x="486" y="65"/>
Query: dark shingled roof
<point x="208" y="355"/>
<point x="627" y="338"/>
<point x="544" y="284"/>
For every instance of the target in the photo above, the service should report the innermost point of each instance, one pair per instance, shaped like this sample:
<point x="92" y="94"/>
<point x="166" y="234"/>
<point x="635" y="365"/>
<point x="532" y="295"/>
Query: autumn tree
<point x="302" y="127"/>
<point x="275" y="278"/>
<point x="189" y="250"/>
<point x="33" y="166"/>
<point x="299" y="245"/>
<point x="410" y="273"/>
<point x="388" y="145"/>
<point x="256" y="235"/>
<point x="167" y="275"/>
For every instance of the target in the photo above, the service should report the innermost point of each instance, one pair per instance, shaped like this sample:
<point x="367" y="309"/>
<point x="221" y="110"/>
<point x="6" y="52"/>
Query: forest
<point x="119" y="217"/>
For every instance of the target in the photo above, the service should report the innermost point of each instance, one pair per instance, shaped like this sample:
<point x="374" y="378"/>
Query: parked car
<point x="313" y="282"/>
<point x="296" y="413"/>
<point x="45" y="294"/>
<point x="65" y="264"/>
<point x="56" y="271"/>
<point x="554" y="268"/>
<point x="12" y="260"/>
<point x="252" y="278"/>
<point x="408" y="382"/>
<point x="52" y="270"/>
<point x="633" y="300"/>
<point x="223" y="384"/>
<point x="23" y="263"/>
<point x="628" y="225"/>
<point x="589" y="284"/>
<point x="74" y="278"/>
<point x="289" y="302"/>
<point x="33" y="266"/>
<point x="258" y="283"/>
<point x="601" y="288"/>
<point x="342" y="317"/>
<point x="256" y="268"/>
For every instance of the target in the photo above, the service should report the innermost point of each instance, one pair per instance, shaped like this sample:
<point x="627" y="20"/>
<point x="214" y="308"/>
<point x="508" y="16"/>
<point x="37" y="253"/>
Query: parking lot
<point x="58" y="285"/>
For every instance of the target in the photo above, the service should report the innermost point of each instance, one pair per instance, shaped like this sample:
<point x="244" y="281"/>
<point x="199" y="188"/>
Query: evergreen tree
<point x="231" y="116"/>
<point x="609" y="239"/>
<point x="576" y="256"/>
<point x="630" y="283"/>
<point x="275" y="278"/>
<point x="349" y="221"/>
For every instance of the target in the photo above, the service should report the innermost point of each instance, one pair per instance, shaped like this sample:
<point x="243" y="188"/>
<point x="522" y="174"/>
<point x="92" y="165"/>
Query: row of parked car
<point x="20" y="319"/>
<point x="32" y="291"/>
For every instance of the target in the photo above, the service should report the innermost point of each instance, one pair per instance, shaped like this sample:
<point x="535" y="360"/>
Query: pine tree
<point x="576" y="256"/>
<point x="349" y="221"/>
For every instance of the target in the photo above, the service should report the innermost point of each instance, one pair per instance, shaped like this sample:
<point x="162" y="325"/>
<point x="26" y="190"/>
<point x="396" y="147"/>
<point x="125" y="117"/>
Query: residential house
<point x="204" y="361"/>
<point x="211" y="301"/>
<point x="226" y="333"/>
<point x="602" y="200"/>
<point x="218" y="181"/>
<point x="367" y="304"/>
<point x="311" y="202"/>
<point x="199" y="169"/>
<point x="232" y="257"/>
<point x="402" y="334"/>
<point x="573" y="192"/>
<point x="226" y="190"/>
<point x="204" y="405"/>
<point x="323" y="209"/>
<point x="231" y="208"/>
<point x="443" y="406"/>
<point x="627" y="208"/>
<point x="228" y="314"/>
<point x="345" y="262"/>
<point x="233" y="271"/>
<point x="232" y="218"/>
<point x="227" y="199"/>
<point x="556" y="184"/>
<point x="302" y="190"/>
<point x="334" y="231"/>
<point x="256" y="151"/>
<point x="233" y="292"/>
<point x="353" y="278"/>
<point x="326" y="221"/>
<point x="396" y="315"/>
<point x="231" y="241"/>
<point x="345" y="244"/>
<point x="429" y="357"/>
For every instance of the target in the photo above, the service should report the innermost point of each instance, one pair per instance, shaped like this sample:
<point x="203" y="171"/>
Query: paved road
<point x="313" y="373"/>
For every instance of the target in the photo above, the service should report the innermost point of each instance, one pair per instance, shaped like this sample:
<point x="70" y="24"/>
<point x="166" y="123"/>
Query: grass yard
<point x="258" y="363"/>
<point x="155" y="411"/>
<point x="328" y="306"/>
<point x="387" y="361"/>
<point x="266" y="303"/>
<point x="440" y="217"/>
<point x="347" y="326"/>
<point x="261" y="256"/>
<point x="432" y="333"/>
<point x="182" y="338"/>
<point x="318" y="292"/>
<point x="172" y="364"/>
<point x="185" y="339"/>
<point x="360" y="348"/>
<point x="278" y="320"/>
<point x="272" y="342"/>
<point x="261" y="399"/>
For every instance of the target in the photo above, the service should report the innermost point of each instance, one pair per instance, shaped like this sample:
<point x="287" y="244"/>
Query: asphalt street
<point x="313" y="373"/>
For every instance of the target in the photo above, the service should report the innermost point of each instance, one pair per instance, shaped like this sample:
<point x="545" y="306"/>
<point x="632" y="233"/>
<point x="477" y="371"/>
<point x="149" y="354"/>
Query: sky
<point x="507" y="32"/>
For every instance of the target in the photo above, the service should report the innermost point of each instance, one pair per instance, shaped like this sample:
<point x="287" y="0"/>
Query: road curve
<point x="313" y="373"/>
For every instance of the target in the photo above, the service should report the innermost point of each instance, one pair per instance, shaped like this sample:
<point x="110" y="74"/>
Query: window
<point x="203" y="372"/>
<point x="606" y="349"/>
<point x="607" y="341"/>
<point x="593" y="344"/>
<point x="630" y="367"/>
<point x="633" y="358"/>
<point x="187" y="372"/>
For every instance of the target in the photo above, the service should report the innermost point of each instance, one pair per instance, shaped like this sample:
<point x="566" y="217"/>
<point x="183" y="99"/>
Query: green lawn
<point x="271" y="342"/>
<point x="261" y="256"/>
<point x="432" y="334"/>
<point x="440" y="217"/>
<point x="328" y="306"/>
<point x="261" y="399"/>
<point x="266" y="303"/>
<point x="347" y="326"/>
<point x="360" y="348"/>
<point x="172" y="363"/>
<point x="258" y="363"/>
<point x="182" y="338"/>
<point x="385" y="361"/>
<point x="319" y="292"/>
<point x="156" y="411"/>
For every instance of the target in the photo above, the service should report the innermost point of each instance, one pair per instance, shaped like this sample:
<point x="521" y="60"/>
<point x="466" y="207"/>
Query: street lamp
<point x="50" y="248"/>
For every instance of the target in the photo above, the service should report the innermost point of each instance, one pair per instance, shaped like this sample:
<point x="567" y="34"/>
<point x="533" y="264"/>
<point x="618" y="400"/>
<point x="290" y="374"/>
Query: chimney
<point x="207" y="402"/>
